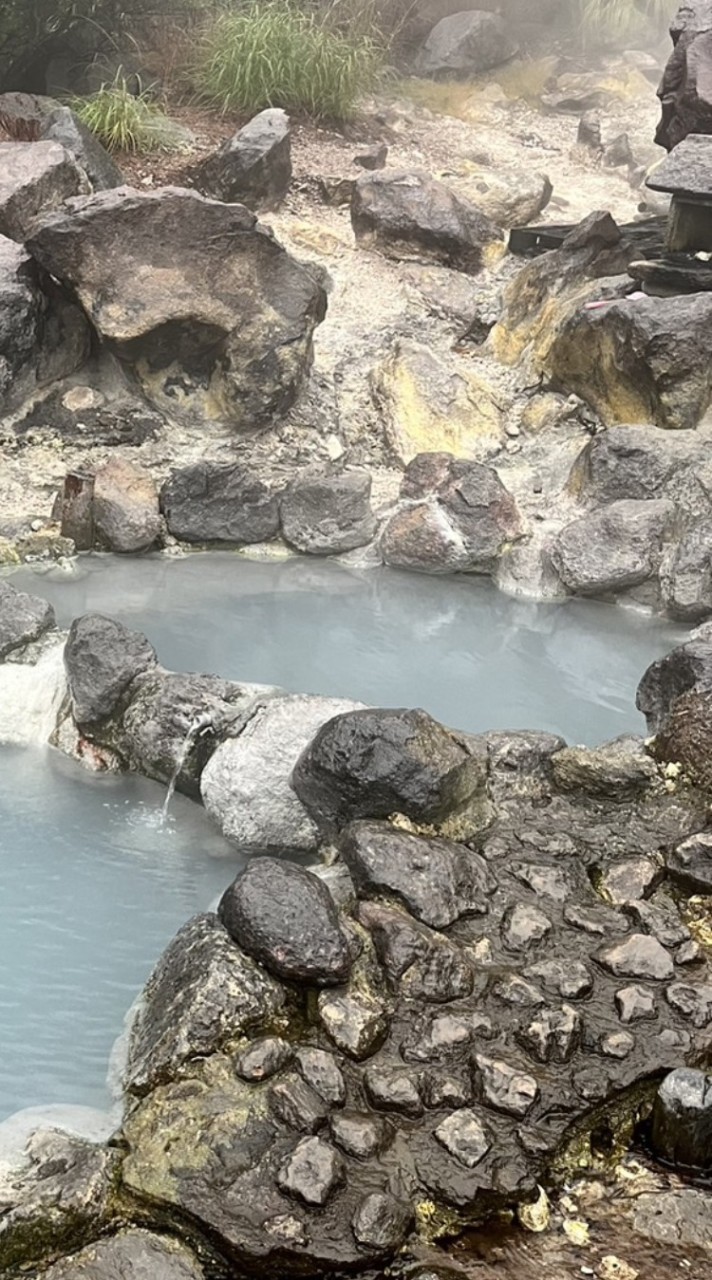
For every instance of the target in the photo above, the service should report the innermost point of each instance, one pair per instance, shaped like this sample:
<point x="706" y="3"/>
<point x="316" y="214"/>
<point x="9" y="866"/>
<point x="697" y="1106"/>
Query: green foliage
<point x="123" y="121"/>
<point x="276" y="54"/>
<point x="614" y="20"/>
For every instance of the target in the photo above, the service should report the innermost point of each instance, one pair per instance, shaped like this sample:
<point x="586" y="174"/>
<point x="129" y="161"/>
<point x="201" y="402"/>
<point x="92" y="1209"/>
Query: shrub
<point x="616" y="19"/>
<point x="275" y="54"/>
<point x="124" y="121"/>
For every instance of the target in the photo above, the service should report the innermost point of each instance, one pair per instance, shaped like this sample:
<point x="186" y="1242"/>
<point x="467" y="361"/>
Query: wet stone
<point x="358" y="1134"/>
<point x="629" y="880"/>
<point x="524" y="926"/>
<point x="442" y="1089"/>
<point x="553" y="1036"/>
<point x="298" y="1105"/>
<point x="504" y="1087"/>
<point x="321" y="1071"/>
<point x="22" y="618"/>
<point x="662" y="924"/>
<point x="682" y="1119"/>
<point x="639" y="956"/>
<point x="312" y="1172"/>
<point x="635" y="1003"/>
<point x="443" y="974"/>
<point x="263" y="1058"/>
<point x="390" y="1089"/>
<point x="465" y="1137"/>
<point x="693" y="1000"/>
<point x="515" y="991"/>
<point x="689" y="866"/>
<point x="689" y="953"/>
<point x="356" y="1025"/>
<point x="596" y="921"/>
<point x="618" y="1044"/>
<point x="382" y="1222"/>
<point x="445" y="1033"/>
<point x="545" y="881"/>
<point x="571" y="981"/>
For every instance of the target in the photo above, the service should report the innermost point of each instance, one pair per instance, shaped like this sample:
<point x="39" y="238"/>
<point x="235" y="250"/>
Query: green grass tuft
<point x="275" y="54"/>
<point x="124" y="121"/>
<point x="617" y="19"/>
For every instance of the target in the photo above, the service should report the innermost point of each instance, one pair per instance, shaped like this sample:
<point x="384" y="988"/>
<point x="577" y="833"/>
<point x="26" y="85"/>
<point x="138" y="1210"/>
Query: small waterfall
<point x="200" y="725"/>
<point x="31" y="695"/>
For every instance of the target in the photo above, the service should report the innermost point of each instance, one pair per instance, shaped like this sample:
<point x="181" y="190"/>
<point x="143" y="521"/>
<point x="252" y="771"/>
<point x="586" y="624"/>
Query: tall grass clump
<point x="615" y="20"/>
<point x="275" y="54"/>
<point x="122" y="120"/>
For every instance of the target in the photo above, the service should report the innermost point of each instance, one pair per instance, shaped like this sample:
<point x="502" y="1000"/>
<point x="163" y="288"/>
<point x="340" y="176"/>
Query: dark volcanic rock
<point x="102" y="658"/>
<point x="35" y="180"/>
<point x="682" y="1119"/>
<point x="381" y="1222"/>
<point x="685" y="94"/>
<point x="328" y="514"/>
<point x="203" y="993"/>
<point x="438" y="881"/>
<point x="689" y="866"/>
<point x="29" y="117"/>
<point x="209" y="310"/>
<point x="219" y="502"/>
<point x="465" y="44"/>
<point x="410" y="215"/>
<point x="615" y="548"/>
<point x="131" y="1252"/>
<point x="685" y="739"/>
<point x="254" y="167"/>
<point x="125" y="507"/>
<point x="286" y="917"/>
<point x="312" y="1171"/>
<point x="687" y="668"/>
<point x="22" y="618"/>
<point x="374" y="763"/>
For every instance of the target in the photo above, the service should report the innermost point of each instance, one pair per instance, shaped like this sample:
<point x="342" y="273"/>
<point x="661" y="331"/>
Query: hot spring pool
<point x="92" y="886"/>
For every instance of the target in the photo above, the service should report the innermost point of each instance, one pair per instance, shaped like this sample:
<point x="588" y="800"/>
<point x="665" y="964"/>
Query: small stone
<point x="390" y="1089"/>
<point x="629" y="880"/>
<point x="263" y="1058"/>
<point x="373" y="158"/>
<point x="596" y="921"/>
<point x="682" y="1119"/>
<point x="577" y="1231"/>
<point x="572" y="981"/>
<point x="665" y="925"/>
<point x="358" y="1134"/>
<point x="612" y="1268"/>
<point x="515" y="991"/>
<point x="382" y="1222"/>
<point x="311" y="1172"/>
<point x="504" y="1087"/>
<point x="524" y="926"/>
<point x="321" y="1071"/>
<point x="356" y="1024"/>
<point x="638" y="957"/>
<point x="444" y="1090"/>
<point x="535" y="1216"/>
<point x="689" y="953"/>
<point x="635" y="1003"/>
<point x="694" y="1001"/>
<point x="298" y="1105"/>
<point x="445" y="1033"/>
<point x="619" y="1044"/>
<point x="465" y="1137"/>
<point x="553" y="1036"/>
<point x="286" y="1228"/>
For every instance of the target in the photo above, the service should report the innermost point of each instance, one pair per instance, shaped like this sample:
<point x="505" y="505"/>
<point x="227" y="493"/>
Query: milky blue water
<point x="91" y="887"/>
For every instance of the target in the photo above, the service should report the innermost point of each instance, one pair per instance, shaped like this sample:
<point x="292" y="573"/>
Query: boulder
<point x="246" y="786"/>
<point x="254" y="167"/>
<point x="686" y="578"/>
<point x="642" y="360"/>
<point x="613" y="549"/>
<point x="686" y="668"/>
<point x="514" y="200"/>
<point x="689" y="865"/>
<point x="285" y="917"/>
<point x="630" y="462"/>
<point x="684" y="92"/>
<point x="219" y="502"/>
<point x="131" y="1252"/>
<point x="125" y="507"/>
<point x="423" y="539"/>
<point x="35" y="180"/>
<point x="43" y="334"/>
<point x="23" y="618"/>
<point x="327" y="514"/>
<point x="431" y="400"/>
<point x="64" y="127"/>
<point x="681" y="1131"/>
<point x="145" y="264"/>
<point x="614" y="771"/>
<point x="465" y="44"/>
<point x="411" y="215"/>
<point x="684" y="740"/>
<point x="102" y="658"/>
<point x="203" y="995"/>
<point x="376" y="763"/>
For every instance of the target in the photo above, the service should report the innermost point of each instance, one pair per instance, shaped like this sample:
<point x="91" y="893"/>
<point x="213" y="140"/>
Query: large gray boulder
<point x="686" y="578"/>
<point x="247" y="785"/>
<point x="102" y="658"/>
<point x="43" y="334"/>
<point x="618" y="547"/>
<point x="131" y="1252"/>
<point x="686" y="669"/>
<point x="632" y="462"/>
<point x="328" y="514"/>
<point x="684" y="92"/>
<point x="23" y="618"/>
<point x="213" y="315"/>
<point x="30" y="117"/>
<point x="411" y="215"/>
<point x="219" y="502"/>
<point x="465" y="44"/>
<point x="254" y="167"/>
<point x="35" y="180"/>
<point x="125" y="507"/>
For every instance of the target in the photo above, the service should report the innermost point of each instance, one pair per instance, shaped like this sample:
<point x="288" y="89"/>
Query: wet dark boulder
<point x="684" y="741"/>
<point x="30" y="117"/>
<point x="102" y="658"/>
<point x="254" y="167"/>
<point x="285" y="917"/>
<point x="684" y="92"/>
<point x="411" y="215"/>
<point x="219" y="502"/>
<point x="689" y="865"/>
<point x="328" y="514"/>
<point x="375" y="763"/>
<point x="687" y="668"/>
<point x="204" y="305"/>
<point x="465" y="44"/>
<point x="681" y="1132"/>
<point x="630" y="462"/>
<point x="618" y="547"/>
<point x="23" y="618"/>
